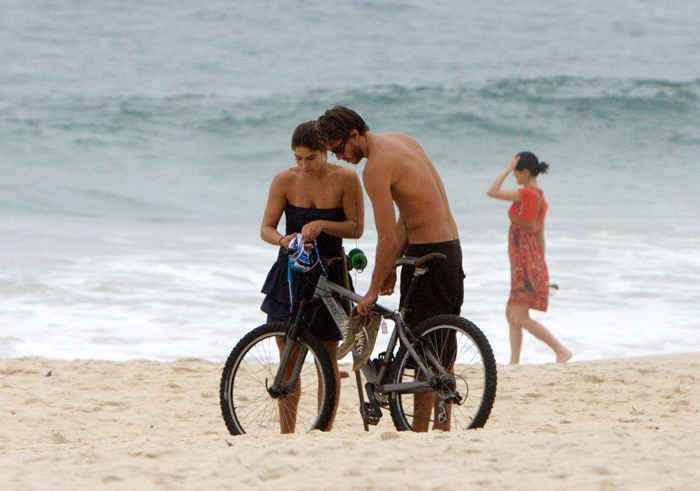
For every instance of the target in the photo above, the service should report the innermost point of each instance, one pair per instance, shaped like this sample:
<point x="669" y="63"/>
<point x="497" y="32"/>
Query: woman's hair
<point x="337" y="123"/>
<point x="529" y="161"/>
<point x="307" y="135"/>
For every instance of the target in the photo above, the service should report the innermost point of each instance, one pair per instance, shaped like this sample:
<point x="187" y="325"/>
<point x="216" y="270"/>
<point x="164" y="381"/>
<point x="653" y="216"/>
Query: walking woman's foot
<point x="564" y="356"/>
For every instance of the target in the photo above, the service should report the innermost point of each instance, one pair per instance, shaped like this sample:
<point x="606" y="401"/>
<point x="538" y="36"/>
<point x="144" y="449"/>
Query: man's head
<point x="343" y="128"/>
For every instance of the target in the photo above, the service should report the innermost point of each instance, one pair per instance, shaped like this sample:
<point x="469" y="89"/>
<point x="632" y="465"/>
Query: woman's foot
<point x="564" y="356"/>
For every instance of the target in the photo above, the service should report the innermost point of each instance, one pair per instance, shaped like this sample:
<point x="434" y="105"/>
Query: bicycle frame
<point x="331" y="294"/>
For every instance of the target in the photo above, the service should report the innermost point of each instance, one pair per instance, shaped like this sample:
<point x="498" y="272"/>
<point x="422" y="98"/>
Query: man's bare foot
<point x="564" y="356"/>
<point x="344" y="374"/>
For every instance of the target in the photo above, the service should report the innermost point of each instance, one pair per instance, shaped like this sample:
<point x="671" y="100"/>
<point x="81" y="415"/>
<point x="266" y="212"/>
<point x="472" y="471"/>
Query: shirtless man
<point x="398" y="171"/>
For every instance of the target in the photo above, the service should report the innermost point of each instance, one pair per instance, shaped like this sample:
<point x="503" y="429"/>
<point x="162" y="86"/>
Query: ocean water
<point x="138" y="141"/>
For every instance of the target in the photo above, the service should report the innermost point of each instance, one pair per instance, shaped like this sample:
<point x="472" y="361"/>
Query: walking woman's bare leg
<point x="516" y="336"/>
<point x="522" y="318"/>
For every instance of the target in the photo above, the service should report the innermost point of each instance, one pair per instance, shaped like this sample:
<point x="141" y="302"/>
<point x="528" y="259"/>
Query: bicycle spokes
<point x="298" y="400"/>
<point x="458" y="386"/>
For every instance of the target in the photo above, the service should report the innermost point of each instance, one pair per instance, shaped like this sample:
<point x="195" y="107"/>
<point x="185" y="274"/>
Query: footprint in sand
<point x="58" y="438"/>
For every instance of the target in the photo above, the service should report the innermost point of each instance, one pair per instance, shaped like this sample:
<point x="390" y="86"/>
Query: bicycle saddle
<point x="418" y="262"/>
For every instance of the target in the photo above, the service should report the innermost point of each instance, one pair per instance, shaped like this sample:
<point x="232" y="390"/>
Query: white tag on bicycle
<point x="384" y="329"/>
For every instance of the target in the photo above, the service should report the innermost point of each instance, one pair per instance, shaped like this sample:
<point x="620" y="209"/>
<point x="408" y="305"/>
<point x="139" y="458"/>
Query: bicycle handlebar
<point x="417" y="262"/>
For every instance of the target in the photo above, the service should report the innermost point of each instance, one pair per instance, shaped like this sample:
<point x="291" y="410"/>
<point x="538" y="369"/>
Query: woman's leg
<point x="522" y="318"/>
<point x="287" y="405"/>
<point x="516" y="336"/>
<point x="331" y="348"/>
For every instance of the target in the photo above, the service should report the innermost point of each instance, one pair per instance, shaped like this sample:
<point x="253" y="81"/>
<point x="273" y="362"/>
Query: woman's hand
<point x="513" y="163"/>
<point x="312" y="230"/>
<point x="495" y="191"/>
<point x="284" y="242"/>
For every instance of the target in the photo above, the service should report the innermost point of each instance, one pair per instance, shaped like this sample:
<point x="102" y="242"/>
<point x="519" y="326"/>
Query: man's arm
<point x="387" y="287"/>
<point x="402" y="234"/>
<point x="377" y="180"/>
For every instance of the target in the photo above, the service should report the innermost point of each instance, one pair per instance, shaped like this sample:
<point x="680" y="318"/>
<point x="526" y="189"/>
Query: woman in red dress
<point x="529" y="278"/>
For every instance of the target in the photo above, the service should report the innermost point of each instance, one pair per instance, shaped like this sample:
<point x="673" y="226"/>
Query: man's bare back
<point x="416" y="187"/>
<point x="397" y="171"/>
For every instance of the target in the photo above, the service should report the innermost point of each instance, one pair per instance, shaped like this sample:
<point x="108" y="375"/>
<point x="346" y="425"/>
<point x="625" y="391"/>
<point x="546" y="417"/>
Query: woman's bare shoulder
<point x="286" y="174"/>
<point x="340" y="171"/>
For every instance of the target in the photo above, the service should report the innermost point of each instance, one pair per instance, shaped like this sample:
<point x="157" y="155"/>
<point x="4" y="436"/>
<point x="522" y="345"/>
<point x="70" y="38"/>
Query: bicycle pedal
<point x="370" y="414"/>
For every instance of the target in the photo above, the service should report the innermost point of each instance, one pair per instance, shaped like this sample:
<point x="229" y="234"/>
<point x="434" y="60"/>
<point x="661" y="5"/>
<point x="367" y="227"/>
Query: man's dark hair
<point x="529" y="161"/>
<point x="337" y="123"/>
<point x="307" y="135"/>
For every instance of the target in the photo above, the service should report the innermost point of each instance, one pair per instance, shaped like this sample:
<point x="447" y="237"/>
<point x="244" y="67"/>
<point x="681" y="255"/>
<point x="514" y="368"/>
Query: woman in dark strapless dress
<point x="323" y="202"/>
<point x="276" y="288"/>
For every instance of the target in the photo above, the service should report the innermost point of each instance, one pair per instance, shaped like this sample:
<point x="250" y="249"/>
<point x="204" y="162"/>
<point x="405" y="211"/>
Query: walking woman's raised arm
<point x="495" y="190"/>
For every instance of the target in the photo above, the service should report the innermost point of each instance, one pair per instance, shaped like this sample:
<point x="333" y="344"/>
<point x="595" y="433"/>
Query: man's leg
<point x="423" y="403"/>
<point x="448" y="409"/>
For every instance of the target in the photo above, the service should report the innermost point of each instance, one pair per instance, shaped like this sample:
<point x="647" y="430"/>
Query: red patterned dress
<point x="529" y="278"/>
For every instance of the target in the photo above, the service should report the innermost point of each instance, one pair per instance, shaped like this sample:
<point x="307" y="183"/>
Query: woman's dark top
<point x="276" y="287"/>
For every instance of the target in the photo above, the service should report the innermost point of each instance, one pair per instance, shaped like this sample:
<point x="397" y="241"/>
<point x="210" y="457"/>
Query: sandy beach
<point x="615" y="424"/>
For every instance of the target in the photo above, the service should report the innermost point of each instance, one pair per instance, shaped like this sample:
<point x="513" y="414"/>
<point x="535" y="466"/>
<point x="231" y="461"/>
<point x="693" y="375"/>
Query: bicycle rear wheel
<point x="246" y="404"/>
<point x="467" y="357"/>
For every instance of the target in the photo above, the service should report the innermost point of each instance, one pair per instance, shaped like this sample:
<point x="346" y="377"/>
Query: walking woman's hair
<point x="307" y="135"/>
<point x="337" y="123"/>
<point x="529" y="161"/>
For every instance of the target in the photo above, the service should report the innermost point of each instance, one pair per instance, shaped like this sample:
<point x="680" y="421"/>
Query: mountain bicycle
<point x="441" y="371"/>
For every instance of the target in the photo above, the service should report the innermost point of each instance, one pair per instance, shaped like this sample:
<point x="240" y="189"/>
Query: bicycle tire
<point x="477" y="379"/>
<point x="246" y="404"/>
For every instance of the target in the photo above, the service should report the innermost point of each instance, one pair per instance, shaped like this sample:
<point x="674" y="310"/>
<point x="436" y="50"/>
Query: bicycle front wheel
<point x="466" y="356"/>
<point x="247" y="405"/>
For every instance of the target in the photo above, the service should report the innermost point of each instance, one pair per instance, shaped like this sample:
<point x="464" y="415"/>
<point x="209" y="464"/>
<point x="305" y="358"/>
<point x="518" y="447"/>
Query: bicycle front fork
<point x="291" y="349"/>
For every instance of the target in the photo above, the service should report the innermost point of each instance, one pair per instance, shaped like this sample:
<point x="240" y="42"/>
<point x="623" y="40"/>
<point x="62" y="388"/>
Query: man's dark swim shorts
<point x="439" y="291"/>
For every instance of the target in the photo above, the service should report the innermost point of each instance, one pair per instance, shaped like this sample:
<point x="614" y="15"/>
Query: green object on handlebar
<point x="358" y="260"/>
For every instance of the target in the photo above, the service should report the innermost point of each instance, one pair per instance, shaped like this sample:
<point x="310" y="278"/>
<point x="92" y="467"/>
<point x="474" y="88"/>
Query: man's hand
<point x="388" y="287"/>
<point x="312" y="230"/>
<point x="363" y="306"/>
